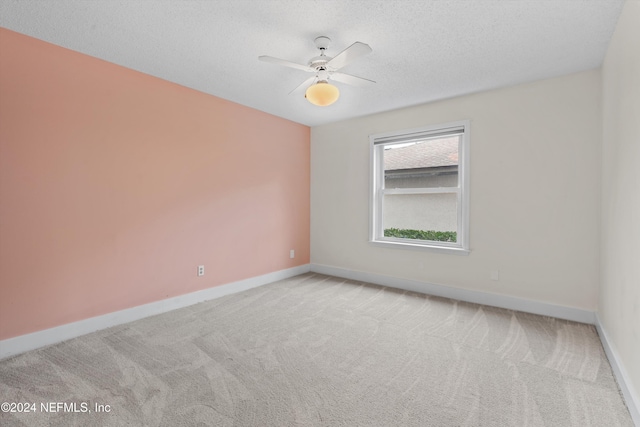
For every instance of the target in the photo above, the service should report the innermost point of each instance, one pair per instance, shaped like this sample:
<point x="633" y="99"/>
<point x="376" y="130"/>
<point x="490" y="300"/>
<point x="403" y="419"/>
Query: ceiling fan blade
<point x="354" y="51"/>
<point x="351" y="80"/>
<point x="305" y="83"/>
<point x="289" y="64"/>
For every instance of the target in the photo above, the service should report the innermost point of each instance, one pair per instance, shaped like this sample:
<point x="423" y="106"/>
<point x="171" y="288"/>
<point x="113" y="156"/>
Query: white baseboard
<point x="20" y="344"/>
<point x="631" y="396"/>
<point x="494" y="300"/>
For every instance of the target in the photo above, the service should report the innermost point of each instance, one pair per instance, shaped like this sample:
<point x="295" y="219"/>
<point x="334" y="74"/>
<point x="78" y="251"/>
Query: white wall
<point x="619" y="302"/>
<point x="535" y="177"/>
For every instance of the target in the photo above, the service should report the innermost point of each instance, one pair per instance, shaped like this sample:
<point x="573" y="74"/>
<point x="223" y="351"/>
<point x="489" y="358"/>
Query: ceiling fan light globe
<point x="322" y="94"/>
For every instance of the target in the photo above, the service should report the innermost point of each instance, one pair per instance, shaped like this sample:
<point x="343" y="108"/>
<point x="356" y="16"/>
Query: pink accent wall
<point x="115" y="185"/>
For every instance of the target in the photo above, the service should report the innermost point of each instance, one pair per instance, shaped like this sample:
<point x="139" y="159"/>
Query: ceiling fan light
<point x="322" y="94"/>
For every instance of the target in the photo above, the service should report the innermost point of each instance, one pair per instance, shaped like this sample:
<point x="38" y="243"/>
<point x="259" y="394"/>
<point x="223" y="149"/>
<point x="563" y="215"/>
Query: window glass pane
<point x="418" y="215"/>
<point x="425" y="164"/>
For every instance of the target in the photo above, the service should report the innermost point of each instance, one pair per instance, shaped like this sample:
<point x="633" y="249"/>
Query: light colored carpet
<point x="315" y="350"/>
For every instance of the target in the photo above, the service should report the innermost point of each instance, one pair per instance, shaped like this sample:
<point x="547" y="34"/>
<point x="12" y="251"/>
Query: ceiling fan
<point x="320" y="91"/>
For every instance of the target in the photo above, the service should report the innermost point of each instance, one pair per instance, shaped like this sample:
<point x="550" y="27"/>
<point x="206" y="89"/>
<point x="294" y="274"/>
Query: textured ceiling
<point x="422" y="50"/>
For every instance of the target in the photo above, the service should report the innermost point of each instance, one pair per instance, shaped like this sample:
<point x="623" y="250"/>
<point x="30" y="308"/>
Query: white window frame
<point x="377" y="190"/>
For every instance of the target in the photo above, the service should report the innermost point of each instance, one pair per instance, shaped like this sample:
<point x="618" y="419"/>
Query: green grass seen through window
<point x="437" y="236"/>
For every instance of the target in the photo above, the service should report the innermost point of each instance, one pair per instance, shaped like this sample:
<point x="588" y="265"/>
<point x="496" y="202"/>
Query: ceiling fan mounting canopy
<point x="322" y="42"/>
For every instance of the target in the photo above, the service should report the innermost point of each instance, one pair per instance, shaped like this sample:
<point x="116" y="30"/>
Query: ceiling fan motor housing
<point x="319" y="62"/>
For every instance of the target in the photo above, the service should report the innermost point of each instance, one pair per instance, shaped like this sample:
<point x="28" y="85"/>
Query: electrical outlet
<point x="201" y="270"/>
<point x="292" y="253"/>
<point x="495" y="275"/>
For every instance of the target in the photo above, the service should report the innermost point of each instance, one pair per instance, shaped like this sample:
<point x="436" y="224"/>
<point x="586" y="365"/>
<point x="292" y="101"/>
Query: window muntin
<point x="419" y="187"/>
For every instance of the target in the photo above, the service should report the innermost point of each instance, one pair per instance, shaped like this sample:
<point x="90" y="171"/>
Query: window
<point x="419" y="188"/>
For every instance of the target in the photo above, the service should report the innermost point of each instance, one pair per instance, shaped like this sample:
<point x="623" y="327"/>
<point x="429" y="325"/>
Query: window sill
<point x="421" y="247"/>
